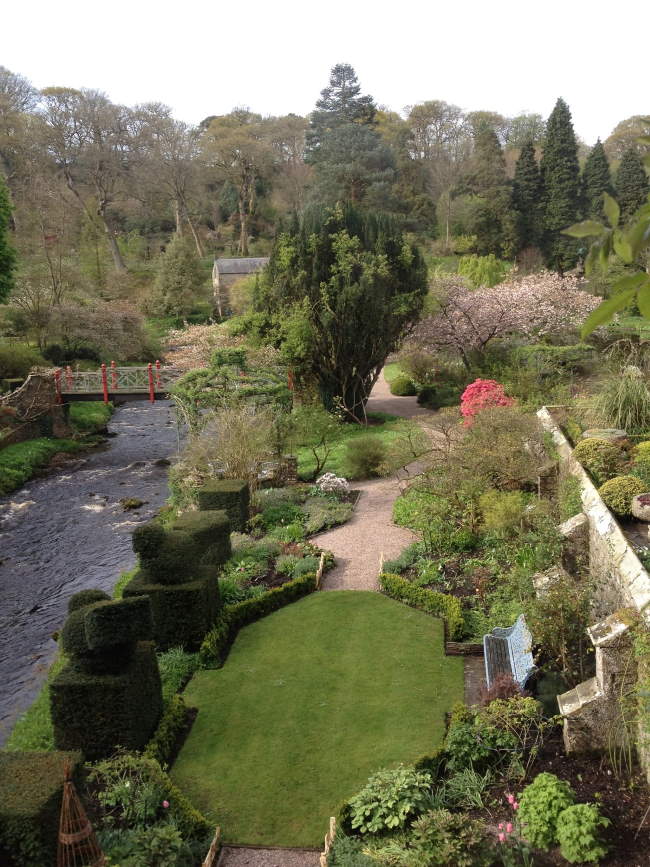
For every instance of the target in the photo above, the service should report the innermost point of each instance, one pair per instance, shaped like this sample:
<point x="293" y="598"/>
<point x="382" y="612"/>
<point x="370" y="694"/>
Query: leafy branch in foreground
<point x="625" y="243"/>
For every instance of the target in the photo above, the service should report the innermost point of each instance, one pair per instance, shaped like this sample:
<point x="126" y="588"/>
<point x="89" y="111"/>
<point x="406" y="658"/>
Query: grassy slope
<point x="90" y="416"/>
<point x="336" y="463"/>
<point x="312" y="700"/>
<point x="391" y="371"/>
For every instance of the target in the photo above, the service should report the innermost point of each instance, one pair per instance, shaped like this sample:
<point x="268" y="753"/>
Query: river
<point x="67" y="531"/>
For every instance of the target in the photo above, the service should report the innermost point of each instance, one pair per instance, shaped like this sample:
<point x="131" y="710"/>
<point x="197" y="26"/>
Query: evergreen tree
<point x="179" y="279"/>
<point x="632" y="186"/>
<point x="7" y="252"/>
<point x="340" y="103"/>
<point x="596" y="180"/>
<point x="526" y="192"/>
<point x="491" y="219"/>
<point x="560" y="174"/>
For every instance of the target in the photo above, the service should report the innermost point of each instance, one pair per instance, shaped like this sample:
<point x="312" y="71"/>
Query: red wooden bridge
<point x="111" y="382"/>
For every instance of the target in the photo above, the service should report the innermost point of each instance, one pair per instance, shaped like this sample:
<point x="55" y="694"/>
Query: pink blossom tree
<point x="538" y="305"/>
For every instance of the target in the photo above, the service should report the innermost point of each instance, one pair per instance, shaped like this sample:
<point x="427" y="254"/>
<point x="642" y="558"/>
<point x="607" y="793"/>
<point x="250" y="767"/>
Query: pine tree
<point x="7" y="252"/>
<point x="179" y="279"/>
<point x="526" y="193"/>
<point x="560" y="174"/>
<point x="596" y="180"/>
<point x="632" y="186"/>
<point x="491" y="219"/>
<point x="340" y="103"/>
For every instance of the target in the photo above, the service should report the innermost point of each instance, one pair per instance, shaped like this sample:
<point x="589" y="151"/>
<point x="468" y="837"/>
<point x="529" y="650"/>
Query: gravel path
<point x="234" y="856"/>
<point x="359" y="544"/>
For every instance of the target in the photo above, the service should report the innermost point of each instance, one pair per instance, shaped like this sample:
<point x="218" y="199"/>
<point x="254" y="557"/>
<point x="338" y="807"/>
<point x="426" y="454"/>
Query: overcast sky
<point x="274" y="56"/>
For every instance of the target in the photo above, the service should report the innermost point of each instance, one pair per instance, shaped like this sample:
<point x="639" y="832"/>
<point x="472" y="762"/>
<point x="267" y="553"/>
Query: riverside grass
<point x="312" y="700"/>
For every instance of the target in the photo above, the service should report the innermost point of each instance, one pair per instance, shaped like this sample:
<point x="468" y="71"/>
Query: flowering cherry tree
<point x="536" y="306"/>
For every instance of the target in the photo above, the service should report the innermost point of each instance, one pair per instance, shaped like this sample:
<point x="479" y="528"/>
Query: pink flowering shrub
<point x="481" y="394"/>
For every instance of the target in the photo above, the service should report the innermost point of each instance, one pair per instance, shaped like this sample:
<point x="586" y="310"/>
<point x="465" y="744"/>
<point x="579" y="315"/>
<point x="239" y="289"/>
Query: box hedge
<point x="230" y="495"/>
<point x="172" y="724"/>
<point x="172" y="555"/>
<point x="95" y="713"/>
<point x="182" y="613"/>
<point x="32" y="789"/>
<point x="216" y="644"/>
<point x="440" y="605"/>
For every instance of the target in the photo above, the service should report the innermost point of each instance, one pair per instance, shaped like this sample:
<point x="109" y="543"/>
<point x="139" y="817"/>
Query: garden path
<point x="359" y="544"/>
<point x="236" y="856"/>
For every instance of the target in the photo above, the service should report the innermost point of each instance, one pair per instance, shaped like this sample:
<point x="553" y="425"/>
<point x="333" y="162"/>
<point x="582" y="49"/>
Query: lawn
<point x="311" y="700"/>
<point x="386" y="427"/>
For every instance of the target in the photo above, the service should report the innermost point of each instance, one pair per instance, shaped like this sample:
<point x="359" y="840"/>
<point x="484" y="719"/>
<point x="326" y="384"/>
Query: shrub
<point x="279" y="516"/>
<point x="618" y="494"/>
<point x="471" y="742"/>
<point x="324" y="513"/>
<point x="442" y="838"/>
<point x="329" y="483"/>
<point x="548" y="360"/>
<point x="540" y="806"/>
<point x="579" y="832"/>
<point x="502" y="511"/>
<point x="217" y="642"/>
<point x="408" y="557"/>
<point x="438" y="604"/>
<point x="32" y="790"/>
<point x="483" y="270"/>
<point x="165" y="738"/>
<point x="365" y="457"/>
<point x="294" y="532"/>
<point x="389" y="800"/>
<point x="348" y="852"/>
<point x="16" y="360"/>
<point x="419" y="367"/>
<point x="602" y="458"/>
<point x="482" y="394"/>
<point x="230" y="495"/>
<point x="403" y="386"/>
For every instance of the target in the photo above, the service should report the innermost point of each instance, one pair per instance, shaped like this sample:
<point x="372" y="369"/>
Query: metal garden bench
<point x="509" y="651"/>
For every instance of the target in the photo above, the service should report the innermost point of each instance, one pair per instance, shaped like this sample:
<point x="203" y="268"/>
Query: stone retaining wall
<point x="592" y="711"/>
<point x="32" y="411"/>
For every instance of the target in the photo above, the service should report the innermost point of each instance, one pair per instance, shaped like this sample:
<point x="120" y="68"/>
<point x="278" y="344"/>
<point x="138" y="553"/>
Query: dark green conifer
<point x="560" y="174"/>
<point x="596" y="180"/>
<point x="632" y="186"/>
<point x="526" y="194"/>
<point x="7" y="252"/>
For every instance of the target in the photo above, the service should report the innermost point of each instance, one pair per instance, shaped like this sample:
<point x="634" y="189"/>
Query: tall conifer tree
<point x="560" y="188"/>
<point x="492" y="219"/>
<point x="526" y="191"/>
<point x="7" y="252"/>
<point x="596" y="180"/>
<point x="632" y="186"/>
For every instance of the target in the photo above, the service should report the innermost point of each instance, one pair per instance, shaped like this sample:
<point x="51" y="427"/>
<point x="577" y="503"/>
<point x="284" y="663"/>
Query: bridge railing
<point x="112" y="379"/>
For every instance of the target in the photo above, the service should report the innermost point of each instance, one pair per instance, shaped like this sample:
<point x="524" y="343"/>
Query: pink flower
<point x="510" y="799"/>
<point x="165" y="804"/>
<point x="515" y="805"/>
<point x="509" y="828"/>
<point x="500" y="826"/>
<point x="502" y="838"/>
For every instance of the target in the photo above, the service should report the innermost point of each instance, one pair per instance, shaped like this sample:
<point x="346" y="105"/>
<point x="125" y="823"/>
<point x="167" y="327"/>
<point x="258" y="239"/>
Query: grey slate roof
<point x="240" y="266"/>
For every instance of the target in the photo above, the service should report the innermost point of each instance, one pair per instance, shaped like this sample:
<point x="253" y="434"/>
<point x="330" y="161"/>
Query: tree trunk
<point x="197" y="241"/>
<point x="178" y="216"/>
<point x="243" y="225"/>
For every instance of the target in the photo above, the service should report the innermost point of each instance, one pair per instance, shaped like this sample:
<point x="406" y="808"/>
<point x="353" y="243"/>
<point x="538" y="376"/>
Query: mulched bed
<point x="622" y="800"/>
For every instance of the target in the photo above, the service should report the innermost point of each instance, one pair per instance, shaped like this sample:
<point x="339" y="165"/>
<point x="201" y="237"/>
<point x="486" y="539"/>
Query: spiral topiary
<point x="618" y="494"/>
<point x="601" y="458"/>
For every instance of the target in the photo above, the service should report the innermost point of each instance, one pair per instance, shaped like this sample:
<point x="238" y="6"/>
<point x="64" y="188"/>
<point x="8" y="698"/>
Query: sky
<point x="205" y="58"/>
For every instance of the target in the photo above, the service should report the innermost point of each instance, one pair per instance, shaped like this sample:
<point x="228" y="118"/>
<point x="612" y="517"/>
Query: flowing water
<point x="68" y="531"/>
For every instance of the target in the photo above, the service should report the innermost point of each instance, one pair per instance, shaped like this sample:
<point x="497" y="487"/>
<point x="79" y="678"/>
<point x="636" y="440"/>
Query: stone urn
<point x="606" y="433"/>
<point x="641" y="507"/>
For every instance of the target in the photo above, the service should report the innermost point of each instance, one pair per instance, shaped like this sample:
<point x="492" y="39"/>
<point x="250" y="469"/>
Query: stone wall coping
<point x="637" y="579"/>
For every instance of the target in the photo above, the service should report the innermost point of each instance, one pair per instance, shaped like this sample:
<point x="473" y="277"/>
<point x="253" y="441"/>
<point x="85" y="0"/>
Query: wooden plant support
<point x="329" y="839"/>
<point x="78" y="846"/>
<point x="319" y="573"/>
<point x="211" y="857"/>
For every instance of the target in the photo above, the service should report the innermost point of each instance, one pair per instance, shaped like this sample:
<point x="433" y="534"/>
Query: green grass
<point x="391" y="429"/>
<point x="33" y="729"/>
<point x="19" y="462"/>
<point x="311" y="701"/>
<point x="392" y="371"/>
<point x="90" y="416"/>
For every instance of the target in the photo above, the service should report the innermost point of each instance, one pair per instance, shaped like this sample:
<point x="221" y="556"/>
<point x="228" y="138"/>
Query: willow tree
<point x="345" y="287"/>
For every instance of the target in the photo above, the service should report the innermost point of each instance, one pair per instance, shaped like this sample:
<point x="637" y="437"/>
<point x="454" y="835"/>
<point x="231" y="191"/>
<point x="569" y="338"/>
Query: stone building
<point x="225" y="273"/>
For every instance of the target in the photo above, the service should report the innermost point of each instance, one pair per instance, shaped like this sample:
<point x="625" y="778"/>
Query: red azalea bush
<point x="481" y="394"/>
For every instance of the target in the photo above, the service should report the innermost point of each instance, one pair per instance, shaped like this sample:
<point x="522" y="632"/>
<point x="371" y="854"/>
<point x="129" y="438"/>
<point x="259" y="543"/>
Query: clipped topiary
<point x="178" y="573"/>
<point x="602" y="458"/>
<point x="540" y="806"/>
<point x="579" y="831"/>
<point x="403" y="386"/>
<point x="618" y="494"/>
<point x="230" y="495"/>
<point x="86" y="597"/>
<point x="109" y="693"/>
